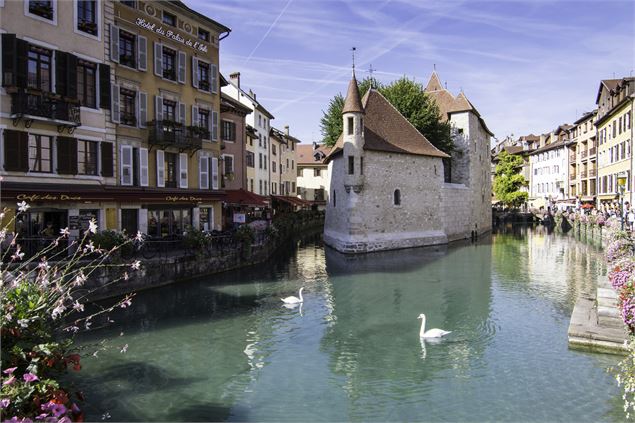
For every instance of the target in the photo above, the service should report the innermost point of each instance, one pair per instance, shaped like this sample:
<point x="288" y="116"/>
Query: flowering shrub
<point x="600" y="220"/>
<point x="43" y="300"/>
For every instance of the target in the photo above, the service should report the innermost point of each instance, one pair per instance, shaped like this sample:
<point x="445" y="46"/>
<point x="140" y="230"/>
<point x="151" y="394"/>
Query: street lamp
<point x="621" y="185"/>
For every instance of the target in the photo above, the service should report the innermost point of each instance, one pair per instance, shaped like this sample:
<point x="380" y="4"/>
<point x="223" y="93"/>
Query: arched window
<point x="397" y="198"/>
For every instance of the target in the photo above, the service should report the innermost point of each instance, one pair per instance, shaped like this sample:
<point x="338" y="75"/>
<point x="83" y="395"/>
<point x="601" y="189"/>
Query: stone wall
<point x="457" y="213"/>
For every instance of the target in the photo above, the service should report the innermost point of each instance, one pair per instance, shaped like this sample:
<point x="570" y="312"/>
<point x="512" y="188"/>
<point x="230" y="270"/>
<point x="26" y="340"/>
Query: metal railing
<point x="583" y="174"/>
<point x="29" y="102"/>
<point x="167" y="133"/>
<point x="592" y="151"/>
<point x="584" y="153"/>
<point x="592" y="172"/>
<point x="572" y="176"/>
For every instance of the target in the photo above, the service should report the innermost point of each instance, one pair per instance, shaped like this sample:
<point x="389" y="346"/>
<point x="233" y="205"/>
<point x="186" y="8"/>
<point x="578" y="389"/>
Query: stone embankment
<point x="162" y="271"/>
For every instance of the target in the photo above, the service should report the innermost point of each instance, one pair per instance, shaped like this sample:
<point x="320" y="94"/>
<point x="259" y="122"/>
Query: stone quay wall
<point x="158" y="272"/>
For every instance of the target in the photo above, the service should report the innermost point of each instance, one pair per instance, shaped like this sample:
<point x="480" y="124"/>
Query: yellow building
<point x="583" y="159"/>
<point x="165" y="105"/>
<point x="615" y="137"/>
<point x="56" y="155"/>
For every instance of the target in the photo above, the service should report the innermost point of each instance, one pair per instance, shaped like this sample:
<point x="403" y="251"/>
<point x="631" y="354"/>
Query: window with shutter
<point x="194" y="72"/>
<point x="182" y="113"/>
<point x="115" y="107"/>
<point x="214" y="165"/>
<point x="114" y="43"/>
<point x="9" y="60"/>
<point x="104" y="86"/>
<point x="66" y="156"/>
<point x="16" y="150"/>
<point x="143" y="109"/>
<point x="183" y="170"/>
<point x="143" y="167"/>
<point x="214" y="126"/>
<point x="158" y="59"/>
<point x="195" y="121"/>
<point x="160" y="168"/>
<point x="142" y="53"/>
<point x="203" y="168"/>
<point x="107" y="159"/>
<point x="214" y="82"/>
<point x="126" y="165"/>
<point x="158" y="108"/>
<point x="182" y="67"/>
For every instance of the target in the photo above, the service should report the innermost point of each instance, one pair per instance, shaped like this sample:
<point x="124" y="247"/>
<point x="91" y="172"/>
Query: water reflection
<point x="225" y="347"/>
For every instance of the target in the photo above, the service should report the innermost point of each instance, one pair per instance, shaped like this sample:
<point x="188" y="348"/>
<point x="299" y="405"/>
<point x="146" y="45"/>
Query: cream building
<point x="615" y="137"/>
<point x="548" y="168"/>
<point x="312" y="173"/>
<point x="583" y="159"/>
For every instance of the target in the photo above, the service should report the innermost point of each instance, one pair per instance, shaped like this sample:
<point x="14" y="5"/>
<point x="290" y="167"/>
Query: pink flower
<point x="9" y="370"/>
<point x="9" y="381"/>
<point x="58" y="410"/>
<point x="4" y="403"/>
<point x="30" y="377"/>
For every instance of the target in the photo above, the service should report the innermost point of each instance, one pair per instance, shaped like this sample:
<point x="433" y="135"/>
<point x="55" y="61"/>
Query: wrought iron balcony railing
<point x="592" y="172"/>
<point x="33" y="104"/>
<point x="166" y="133"/>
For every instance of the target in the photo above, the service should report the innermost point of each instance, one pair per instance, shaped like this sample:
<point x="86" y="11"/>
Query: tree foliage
<point x="508" y="181"/>
<point x="408" y="98"/>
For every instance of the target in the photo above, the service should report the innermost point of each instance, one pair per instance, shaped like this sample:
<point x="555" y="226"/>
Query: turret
<point x="353" y="136"/>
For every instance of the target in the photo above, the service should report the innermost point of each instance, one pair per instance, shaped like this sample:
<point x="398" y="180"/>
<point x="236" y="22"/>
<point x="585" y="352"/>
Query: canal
<point x="224" y="348"/>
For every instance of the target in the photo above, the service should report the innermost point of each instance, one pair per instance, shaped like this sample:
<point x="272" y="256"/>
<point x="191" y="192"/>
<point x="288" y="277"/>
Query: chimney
<point x="235" y="78"/>
<point x="286" y="129"/>
<point x="315" y="145"/>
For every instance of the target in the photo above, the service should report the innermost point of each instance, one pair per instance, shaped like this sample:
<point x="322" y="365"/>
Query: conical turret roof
<point x="353" y="102"/>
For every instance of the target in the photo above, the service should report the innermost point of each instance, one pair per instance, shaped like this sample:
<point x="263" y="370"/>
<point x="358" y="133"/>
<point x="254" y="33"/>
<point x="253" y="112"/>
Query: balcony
<point x="572" y="157"/>
<point x="572" y="176"/>
<point x="592" y="151"/>
<point x="584" y="153"/>
<point x="165" y="133"/>
<point x="583" y="174"/>
<point x="592" y="172"/>
<point x="32" y="104"/>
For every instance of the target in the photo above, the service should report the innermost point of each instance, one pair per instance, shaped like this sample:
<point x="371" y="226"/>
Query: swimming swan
<point x="432" y="333"/>
<point x="292" y="299"/>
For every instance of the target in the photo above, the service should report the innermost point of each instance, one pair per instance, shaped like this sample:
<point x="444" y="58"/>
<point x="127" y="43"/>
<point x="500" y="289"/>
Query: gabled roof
<point x="229" y="104"/>
<point x="352" y="102"/>
<point x="609" y="84"/>
<point x="306" y="154"/>
<point x="434" y="84"/>
<point x="385" y="129"/>
<point x="585" y="116"/>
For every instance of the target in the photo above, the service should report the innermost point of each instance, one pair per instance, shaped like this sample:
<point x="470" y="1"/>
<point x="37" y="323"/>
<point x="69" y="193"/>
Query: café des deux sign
<point x="195" y="44"/>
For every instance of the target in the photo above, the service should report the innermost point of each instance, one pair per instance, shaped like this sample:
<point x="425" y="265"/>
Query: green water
<point x="225" y="349"/>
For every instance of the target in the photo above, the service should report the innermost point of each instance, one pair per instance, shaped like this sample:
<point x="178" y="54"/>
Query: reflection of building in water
<point x="377" y="298"/>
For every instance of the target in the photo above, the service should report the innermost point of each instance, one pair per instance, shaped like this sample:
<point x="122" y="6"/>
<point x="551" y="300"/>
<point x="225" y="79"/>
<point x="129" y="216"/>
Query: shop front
<point x="242" y="207"/>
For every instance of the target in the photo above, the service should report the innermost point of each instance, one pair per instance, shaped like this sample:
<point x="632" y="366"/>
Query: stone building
<point x="386" y="180"/>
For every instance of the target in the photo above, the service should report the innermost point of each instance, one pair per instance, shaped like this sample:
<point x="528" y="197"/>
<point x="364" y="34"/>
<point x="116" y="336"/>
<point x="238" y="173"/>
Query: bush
<point x="42" y="309"/>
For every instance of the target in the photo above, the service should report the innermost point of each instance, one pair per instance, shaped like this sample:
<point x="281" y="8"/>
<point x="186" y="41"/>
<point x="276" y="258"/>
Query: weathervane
<point x="371" y="70"/>
<point x="353" y="53"/>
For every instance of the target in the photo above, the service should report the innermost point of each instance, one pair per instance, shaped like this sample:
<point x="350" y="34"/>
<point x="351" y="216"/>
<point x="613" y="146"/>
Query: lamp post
<point x="621" y="185"/>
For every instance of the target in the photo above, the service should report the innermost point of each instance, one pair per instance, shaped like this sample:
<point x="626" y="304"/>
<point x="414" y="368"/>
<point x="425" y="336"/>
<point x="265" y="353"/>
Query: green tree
<point x="508" y="181"/>
<point x="405" y="95"/>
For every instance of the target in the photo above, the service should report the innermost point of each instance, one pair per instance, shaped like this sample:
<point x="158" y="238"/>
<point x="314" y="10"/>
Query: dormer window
<point x="169" y="19"/>
<point x="203" y="34"/>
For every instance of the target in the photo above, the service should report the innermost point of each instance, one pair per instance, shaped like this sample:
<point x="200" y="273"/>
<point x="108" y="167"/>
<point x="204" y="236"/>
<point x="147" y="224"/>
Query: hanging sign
<point x="196" y="45"/>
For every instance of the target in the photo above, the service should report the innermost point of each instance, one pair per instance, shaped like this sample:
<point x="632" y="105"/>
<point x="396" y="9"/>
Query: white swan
<point x="292" y="299"/>
<point x="432" y="333"/>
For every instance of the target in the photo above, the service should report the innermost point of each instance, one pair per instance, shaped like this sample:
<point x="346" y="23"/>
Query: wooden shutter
<point x="194" y="72"/>
<point x="126" y="165"/>
<point x="71" y="76"/>
<point x="158" y="108"/>
<point x="114" y="43"/>
<point x="114" y="106"/>
<point x="160" y="169"/>
<point x="61" y="69"/>
<point x="195" y="117"/>
<point x="142" y="53"/>
<point x="203" y="169"/>
<point x="214" y="78"/>
<point x="104" y="86"/>
<point x="158" y="59"/>
<point x="214" y="125"/>
<point x="16" y="150"/>
<point x="9" y="60"/>
<point x="107" y="159"/>
<point x="142" y="105"/>
<point x="22" y="62"/>
<point x="182" y="67"/>
<point x="183" y="170"/>
<point x="181" y="113"/>
<point x="66" y="156"/>
<point x="214" y="165"/>
<point x="143" y="167"/>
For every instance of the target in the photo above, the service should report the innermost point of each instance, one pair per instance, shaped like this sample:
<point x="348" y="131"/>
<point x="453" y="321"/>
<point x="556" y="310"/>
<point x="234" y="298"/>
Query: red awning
<point x="240" y="197"/>
<point x="294" y="201"/>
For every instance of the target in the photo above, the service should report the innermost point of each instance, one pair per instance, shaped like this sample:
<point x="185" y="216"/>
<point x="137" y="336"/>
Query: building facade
<point x="583" y="160"/>
<point x="549" y="163"/>
<point x="312" y="174"/>
<point x="615" y="138"/>
<point x="54" y="99"/>
<point x="234" y="143"/>
<point x="260" y="120"/>
<point x="165" y="108"/>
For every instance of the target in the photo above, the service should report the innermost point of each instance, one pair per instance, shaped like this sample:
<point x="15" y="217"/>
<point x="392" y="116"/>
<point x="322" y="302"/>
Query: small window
<point x="203" y="34"/>
<point x="317" y="172"/>
<point x="169" y="64"/>
<point x="127" y="51"/>
<point x="397" y="198"/>
<point x="334" y="199"/>
<point x="350" y="126"/>
<point x="42" y="8"/>
<point x="351" y="165"/>
<point x="169" y="19"/>
<point x="87" y="16"/>
<point x="129" y="3"/>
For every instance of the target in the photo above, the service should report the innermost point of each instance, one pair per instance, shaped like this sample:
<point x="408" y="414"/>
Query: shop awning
<point x="65" y="193"/>
<point x="294" y="201"/>
<point x="240" y="197"/>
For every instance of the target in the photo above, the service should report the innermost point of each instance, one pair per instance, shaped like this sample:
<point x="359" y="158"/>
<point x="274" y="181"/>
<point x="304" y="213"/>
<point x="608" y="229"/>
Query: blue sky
<point x="527" y="66"/>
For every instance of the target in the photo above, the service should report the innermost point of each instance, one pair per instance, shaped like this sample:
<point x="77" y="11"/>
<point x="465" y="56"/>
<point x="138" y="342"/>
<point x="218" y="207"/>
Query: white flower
<point x="125" y="276"/>
<point x="65" y="232"/>
<point x="124" y="349"/>
<point x="80" y="279"/>
<point x="57" y="311"/>
<point x="139" y="236"/>
<point x="89" y="247"/>
<point x="126" y="303"/>
<point x="73" y="329"/>
<point x="8" y="316"/>
<point x="136" y="265"/>
<point x="78" y="307"/>
<point x="92" y="226"/>
<point x="44" y="265"/>
<point x="17" y="255"/>
<point x="24" y="323"/>
<point x="23" y="206"/>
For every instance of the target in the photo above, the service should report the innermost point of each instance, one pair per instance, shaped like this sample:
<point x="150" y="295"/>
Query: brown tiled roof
<point x="462" y="104"/>
<point x="434" y="84"/>
<point x="385" y="129"/>
<point x="444" y="100"/>
<point x="548" y="147"/>
<point x="352" y="102"/>
<point x="305" y="154"/>
<point x="514" y="149"/>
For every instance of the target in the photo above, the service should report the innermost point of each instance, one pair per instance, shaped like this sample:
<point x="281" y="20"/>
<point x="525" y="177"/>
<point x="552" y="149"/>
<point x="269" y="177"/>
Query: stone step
<point x="586" y="331"/>
<point x="607" y="293"/>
